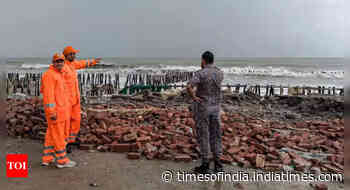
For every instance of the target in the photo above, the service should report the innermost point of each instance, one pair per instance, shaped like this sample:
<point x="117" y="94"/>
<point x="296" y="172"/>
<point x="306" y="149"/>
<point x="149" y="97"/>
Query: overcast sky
<point x="168" y="28"/>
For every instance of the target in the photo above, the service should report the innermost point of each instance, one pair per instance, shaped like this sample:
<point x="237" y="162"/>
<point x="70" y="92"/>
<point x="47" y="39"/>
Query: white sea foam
<point x="247" y="70"/>
<point x="34" y="66"/>
<point x="282" y="72"/>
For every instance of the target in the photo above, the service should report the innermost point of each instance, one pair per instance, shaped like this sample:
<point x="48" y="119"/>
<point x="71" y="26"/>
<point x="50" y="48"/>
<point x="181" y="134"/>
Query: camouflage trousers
<point x="208" y="130"/>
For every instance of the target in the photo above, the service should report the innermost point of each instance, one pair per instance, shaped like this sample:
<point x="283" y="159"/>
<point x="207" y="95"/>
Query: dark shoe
<point x="76" y="143"/>
<point x="69" y="148"/>
<point x="218" y="167"/>
<point x="202" y="169"/>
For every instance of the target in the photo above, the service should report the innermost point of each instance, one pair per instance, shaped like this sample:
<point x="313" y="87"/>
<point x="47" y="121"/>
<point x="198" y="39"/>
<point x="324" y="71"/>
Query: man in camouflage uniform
<point x="206" y="111"/>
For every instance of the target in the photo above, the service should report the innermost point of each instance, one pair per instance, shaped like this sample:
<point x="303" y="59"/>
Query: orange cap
<point x="69" y="49"/>
<point x="57" y="56"/>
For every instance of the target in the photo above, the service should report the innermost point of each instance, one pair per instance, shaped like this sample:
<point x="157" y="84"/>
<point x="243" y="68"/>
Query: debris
<point x="102" y="148"/>
<point x="139" y="129"/>
<point x="94" y="185"/>
<point x="260" y="161"/>
<point x="134" y="155"/>
<point x="183" y="158"/>
<point x="319" y="186"/>
<point x="121" y="148"/>
<point x="86" y="146"/>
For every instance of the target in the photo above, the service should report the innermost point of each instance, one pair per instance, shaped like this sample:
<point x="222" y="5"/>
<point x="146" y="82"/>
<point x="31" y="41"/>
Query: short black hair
<point x="208" y="57"/>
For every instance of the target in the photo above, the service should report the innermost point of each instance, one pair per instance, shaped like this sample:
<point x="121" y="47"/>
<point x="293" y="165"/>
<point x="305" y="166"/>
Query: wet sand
<point x="113" y="171"/>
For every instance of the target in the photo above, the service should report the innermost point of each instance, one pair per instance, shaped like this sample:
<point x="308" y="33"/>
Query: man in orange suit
<point x="57" y="106"/>
<point x="74" y="92"/>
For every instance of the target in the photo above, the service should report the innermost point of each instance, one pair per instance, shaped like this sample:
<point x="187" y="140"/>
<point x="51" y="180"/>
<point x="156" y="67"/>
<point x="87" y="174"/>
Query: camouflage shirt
<point x="208" y="82"/>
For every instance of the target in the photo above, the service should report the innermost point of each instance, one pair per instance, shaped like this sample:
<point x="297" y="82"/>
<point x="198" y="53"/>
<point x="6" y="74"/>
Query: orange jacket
<point x="55" y="93"/>
<point x="72" y="78"/>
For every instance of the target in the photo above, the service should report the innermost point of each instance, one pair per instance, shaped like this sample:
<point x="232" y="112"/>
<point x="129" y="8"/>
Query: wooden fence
<point x="101" y="84"/>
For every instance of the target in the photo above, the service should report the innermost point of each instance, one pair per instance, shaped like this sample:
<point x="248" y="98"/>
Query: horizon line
<point x="238" y="57"/>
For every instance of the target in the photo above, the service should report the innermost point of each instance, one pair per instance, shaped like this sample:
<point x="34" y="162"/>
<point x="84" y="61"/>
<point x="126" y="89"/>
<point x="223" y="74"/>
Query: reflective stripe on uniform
<point x="49" y="154"/>
<point x="50" y="105"/>
<point x="60" y="151"/>
<point x="48" y="147"/>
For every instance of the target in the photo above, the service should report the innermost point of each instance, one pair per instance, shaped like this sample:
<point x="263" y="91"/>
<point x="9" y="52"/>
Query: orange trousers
<point x="55" y="143"/>
<point x="74" y="127"/>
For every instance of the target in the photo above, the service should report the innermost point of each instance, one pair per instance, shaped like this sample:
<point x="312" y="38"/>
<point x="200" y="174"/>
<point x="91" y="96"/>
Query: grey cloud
<point x="183" y="28"/>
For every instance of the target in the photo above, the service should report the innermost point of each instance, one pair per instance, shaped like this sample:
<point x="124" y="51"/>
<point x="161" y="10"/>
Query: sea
<point x="315" y="72"/>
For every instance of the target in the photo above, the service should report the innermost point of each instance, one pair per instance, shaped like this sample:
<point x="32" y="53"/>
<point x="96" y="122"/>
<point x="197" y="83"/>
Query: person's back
<point x="206" y="111"/>
<point x="209" y="86"/>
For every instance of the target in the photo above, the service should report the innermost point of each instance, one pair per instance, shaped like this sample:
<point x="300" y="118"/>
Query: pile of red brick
<point x="169" y="134"/>
<point x="26" y="118"/>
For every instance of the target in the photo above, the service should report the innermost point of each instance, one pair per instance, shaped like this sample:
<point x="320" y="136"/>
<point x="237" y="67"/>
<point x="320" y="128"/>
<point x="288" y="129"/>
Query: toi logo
<point x="17" y="165"/>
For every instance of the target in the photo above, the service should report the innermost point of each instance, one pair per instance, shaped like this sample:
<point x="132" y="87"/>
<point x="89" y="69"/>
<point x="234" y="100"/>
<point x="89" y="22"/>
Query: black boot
<point x="69" y="148"/>
<point x="218" y="167"/>
<point x="202" y="169"/>
<point x="76" y="143"/>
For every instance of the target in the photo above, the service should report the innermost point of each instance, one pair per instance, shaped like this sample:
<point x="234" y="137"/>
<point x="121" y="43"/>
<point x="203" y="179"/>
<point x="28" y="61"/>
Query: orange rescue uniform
<point x="74" y="96"/>
<point x="56" y="103"/>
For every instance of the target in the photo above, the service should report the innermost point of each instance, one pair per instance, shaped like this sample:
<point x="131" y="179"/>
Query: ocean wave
<point x="246" y="71"/>
<point x="34" y="66"/>
<point x="282" y="72"/>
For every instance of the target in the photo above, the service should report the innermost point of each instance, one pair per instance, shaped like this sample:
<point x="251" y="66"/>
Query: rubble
<point x="167" y="133"/>
<point x="183" y="158"/>
<point x="121" y="148"/>
<point x="134" y="155"/>
<point x="320" y="186"/>
<point x="86" y="146"/>
<point x="260" y="161"/>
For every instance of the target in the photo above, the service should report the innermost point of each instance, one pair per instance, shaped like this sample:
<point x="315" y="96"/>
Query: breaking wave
<point x="246" y="71"/>
<point x="282" y="72"/>
<point x="34" y="66"/>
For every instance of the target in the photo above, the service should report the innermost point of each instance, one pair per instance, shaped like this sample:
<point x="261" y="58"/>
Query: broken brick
<point x="183" y="158"/>
<point x="102" y="148"/>
<point x="150" y="148"/>
<point x="97" y="114"/>
<point x="130" y="137"/>
<point x="273" y="166"/>
<point x="285" y="158"/>
<point x="150" y="155"/>
<point x="168" y="157"/>
<point x="260" y="161"/>
<point x="233" y="150"/>
<point x="106" y="139"/>
<point x="331" y="168"/>
<point x="134" y="155"/>
<point x="100" y="131"/>
<point x="320" y="186"/>
<point x="86" y="146"/>
<point x="226" y="159"/>
<point x="143" y="139"/>
<point x="120" y="147"/>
